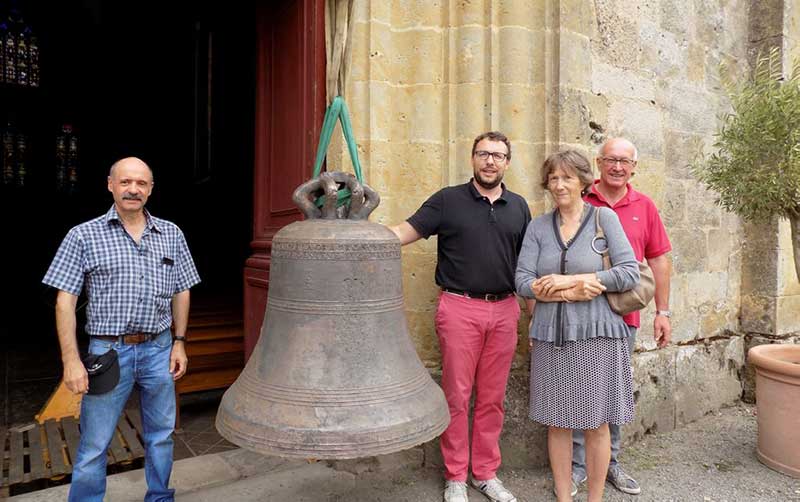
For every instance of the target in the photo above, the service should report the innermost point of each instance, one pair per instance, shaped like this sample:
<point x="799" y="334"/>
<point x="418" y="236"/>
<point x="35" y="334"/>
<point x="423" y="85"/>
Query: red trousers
<point x="477" y="340"/>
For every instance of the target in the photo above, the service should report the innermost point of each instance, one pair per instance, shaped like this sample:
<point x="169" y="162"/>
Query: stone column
<point x="770" y="289"/>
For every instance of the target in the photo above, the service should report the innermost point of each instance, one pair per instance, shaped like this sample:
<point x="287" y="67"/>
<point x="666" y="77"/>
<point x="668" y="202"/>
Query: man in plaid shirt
<point x="137" y="271"/>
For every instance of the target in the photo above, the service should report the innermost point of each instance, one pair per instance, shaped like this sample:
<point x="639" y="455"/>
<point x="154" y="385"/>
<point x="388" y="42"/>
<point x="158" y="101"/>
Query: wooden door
<point x="290" y="105"/>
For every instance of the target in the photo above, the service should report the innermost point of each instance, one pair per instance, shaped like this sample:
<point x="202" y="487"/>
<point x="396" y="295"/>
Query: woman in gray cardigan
<point x="580" y="367"/>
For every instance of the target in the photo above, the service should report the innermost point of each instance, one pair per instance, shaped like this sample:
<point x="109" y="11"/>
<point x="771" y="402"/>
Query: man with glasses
<point x="480" y="226"/>
<point x="648" y="237"/>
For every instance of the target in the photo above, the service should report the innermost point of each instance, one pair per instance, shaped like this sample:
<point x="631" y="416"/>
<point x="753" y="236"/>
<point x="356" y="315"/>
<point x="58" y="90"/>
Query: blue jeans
<point x="578" y="442"/>
<point x="145" y="365"/>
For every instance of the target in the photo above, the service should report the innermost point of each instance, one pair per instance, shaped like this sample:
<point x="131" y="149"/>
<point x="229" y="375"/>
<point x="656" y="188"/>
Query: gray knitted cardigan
<point x="543" y="253"/>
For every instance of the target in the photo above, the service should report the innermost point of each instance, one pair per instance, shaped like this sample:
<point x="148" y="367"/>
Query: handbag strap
<point x="599" y="233"/>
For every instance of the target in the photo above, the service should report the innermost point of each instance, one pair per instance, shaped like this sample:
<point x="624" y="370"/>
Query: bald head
<point x="128" y="162"/>
<point x="619" y="144"/>
<point x="130" y="181"/>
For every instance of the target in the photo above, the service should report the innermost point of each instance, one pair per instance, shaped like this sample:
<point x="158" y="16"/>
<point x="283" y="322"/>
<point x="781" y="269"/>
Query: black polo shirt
<point x="478" y="241"/>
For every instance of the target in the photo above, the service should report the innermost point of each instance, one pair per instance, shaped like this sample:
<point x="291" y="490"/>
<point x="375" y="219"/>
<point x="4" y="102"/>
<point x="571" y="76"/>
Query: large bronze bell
<point x="334" y="374"/>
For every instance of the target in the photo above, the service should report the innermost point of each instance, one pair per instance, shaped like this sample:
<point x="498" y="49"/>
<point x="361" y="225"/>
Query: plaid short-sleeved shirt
<point x="130" y="286"/>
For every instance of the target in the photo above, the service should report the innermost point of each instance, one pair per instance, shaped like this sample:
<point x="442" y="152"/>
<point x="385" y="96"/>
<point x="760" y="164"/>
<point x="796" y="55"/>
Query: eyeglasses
<point x="497" y="156"/>
<point x="610" y="161"/>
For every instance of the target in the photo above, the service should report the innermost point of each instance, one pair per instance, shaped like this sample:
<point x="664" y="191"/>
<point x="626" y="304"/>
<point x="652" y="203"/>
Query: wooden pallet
<point x="40" y="455"/>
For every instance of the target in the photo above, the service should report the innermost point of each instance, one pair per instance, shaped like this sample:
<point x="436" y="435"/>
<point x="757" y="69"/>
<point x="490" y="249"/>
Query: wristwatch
<point x="179" y="338"/>
<point x="665" y="313"/>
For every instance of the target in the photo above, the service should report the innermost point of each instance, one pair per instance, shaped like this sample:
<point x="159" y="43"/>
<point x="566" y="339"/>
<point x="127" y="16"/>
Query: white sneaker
<point x="455" y="491"/>
<point x="494" y="489"/>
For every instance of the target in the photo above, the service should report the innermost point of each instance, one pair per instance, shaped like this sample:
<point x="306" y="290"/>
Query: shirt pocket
<point x="165" y="276"/>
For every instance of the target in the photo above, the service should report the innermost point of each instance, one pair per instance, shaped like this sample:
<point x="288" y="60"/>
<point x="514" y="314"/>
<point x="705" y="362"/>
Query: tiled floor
<point x="197" y="434"/>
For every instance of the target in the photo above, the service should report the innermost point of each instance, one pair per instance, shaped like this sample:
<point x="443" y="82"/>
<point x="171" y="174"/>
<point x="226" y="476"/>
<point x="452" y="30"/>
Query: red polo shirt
<point x="642" y="225"/>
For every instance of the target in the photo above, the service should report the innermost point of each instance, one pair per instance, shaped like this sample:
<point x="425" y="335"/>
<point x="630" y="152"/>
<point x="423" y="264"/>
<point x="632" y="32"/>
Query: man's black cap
<point x="103" y="370"/>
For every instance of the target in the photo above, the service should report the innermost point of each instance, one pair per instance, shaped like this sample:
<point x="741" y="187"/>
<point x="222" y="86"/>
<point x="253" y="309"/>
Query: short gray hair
<point x="620" y="138"/>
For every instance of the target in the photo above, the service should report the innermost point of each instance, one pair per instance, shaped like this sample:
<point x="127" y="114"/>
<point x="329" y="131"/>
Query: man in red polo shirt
<point x="648" y="237"/>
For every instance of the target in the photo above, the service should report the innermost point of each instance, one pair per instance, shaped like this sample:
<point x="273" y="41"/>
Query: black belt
<point x="489" y="297"/>
<point x="129" y="339"/>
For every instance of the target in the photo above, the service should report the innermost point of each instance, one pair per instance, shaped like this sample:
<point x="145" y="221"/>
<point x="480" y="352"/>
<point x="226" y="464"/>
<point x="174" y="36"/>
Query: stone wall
<point x="427" y="76"/>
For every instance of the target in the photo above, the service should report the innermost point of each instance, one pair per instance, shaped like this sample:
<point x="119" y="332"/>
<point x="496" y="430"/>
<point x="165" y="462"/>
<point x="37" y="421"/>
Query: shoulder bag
<point x="625" y="302"/>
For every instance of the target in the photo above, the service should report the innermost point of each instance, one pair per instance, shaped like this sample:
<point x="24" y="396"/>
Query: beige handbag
<point x="625" y="302"/>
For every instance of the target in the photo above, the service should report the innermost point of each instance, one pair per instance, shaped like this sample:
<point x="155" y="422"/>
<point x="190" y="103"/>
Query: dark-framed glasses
<point x="610" y="161"/>
<point x="497" y="156"/>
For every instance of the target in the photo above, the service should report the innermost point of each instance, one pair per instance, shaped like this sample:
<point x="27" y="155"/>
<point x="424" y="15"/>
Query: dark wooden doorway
<point x="290" y="105"/>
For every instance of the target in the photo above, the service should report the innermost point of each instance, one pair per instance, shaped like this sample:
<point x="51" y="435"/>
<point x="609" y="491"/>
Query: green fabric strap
<point x="337" y="111"/>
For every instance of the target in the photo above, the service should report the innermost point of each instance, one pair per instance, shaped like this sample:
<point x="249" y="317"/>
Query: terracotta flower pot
<point x="778" y="398"/>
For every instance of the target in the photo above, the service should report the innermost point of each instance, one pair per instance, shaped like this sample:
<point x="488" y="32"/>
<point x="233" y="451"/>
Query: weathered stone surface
<point x="689" y="251"/>
<point x="641" y="122"/>
<point x="758" y="314"/>
<point x="577" y="16"/>
<point x="471" y="54"/>
<point x="685" y="325"/>
<point x="787" y="314"/>
<point x="696" y="64"/>
<point x="422" y="331"/>
<point x="709" y="22"/>
<point x="673" y="17"/>
<point x="524" y="172"/>
<point x="788" y="283"/>
<point x="791" y="17"/>
<point x="418" y="56"/>
<point x="520" y="108"/>
<point x="471" y="106"/>
<point x="705" y="212"/>
<point x="520" y="13"/>
<point x="681" y="149"/>
<point x="577" y="110"/>
<point x="618" y="41"/>
<point x="415" y="13"/>
<point x="766" y="19"/>
<point x="372" y="43"/>
<point x="673" y="211"/>
<point x="422" y="108"/>
<point x="518" y="62"/>
<point x="470" y="12"/>
<point x="662" y="52"/>
<point x="707" y="377"/>
<point x="575" y="64"/>
<point x="649" y="179"/>
<point x="721" y="250"/>
<point x="760" y="251"/>
<point x="654" y="386"/>
<point x="398" y="165"/>
<point x="612" y="80"/>
<point x="718" y="318"/>
<point x="371" y="100"/>
<point x="688" y="108"/>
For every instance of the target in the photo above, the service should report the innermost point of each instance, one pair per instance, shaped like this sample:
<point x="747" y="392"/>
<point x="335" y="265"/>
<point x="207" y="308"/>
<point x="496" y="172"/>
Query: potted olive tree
<point x="756" y="174"/>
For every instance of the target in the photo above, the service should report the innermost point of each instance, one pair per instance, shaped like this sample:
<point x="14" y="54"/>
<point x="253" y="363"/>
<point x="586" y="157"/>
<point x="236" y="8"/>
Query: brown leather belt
<point x="488" y="297"/>
<point x="129" y="339"/>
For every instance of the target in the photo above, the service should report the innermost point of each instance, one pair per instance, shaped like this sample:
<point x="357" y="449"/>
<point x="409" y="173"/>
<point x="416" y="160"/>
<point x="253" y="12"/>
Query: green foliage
<point x="756" y="169"/>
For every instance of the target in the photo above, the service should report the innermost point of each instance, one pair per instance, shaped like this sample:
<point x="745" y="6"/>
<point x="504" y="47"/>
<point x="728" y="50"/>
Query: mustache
<point x="129" y="196"/>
